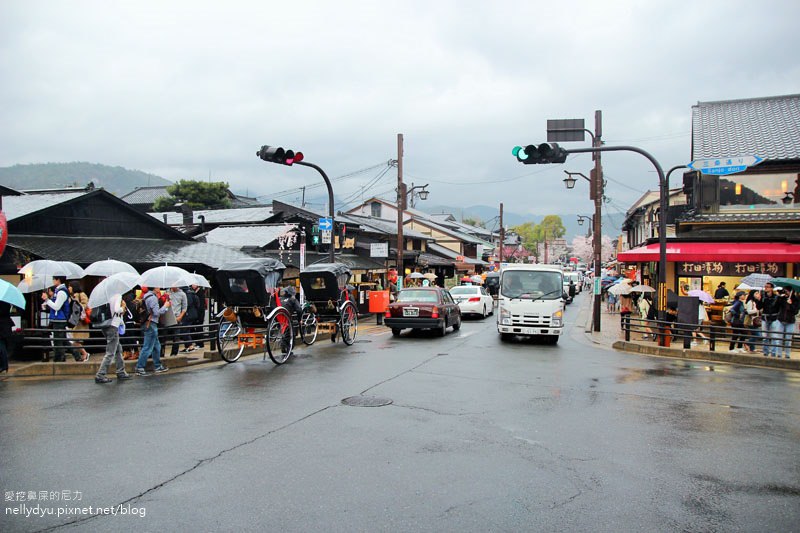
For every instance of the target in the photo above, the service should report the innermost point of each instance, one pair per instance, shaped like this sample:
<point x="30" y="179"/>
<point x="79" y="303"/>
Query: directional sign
<point x="326" y="224"/>
<point x="725" y="165"/>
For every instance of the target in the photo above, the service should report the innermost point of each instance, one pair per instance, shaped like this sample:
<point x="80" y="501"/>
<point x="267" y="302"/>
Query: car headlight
<point x="505" y="316"/>
<point x="557" y="320"/>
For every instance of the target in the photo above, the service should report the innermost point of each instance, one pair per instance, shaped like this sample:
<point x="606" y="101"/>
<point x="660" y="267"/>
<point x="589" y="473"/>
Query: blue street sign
<point x="325" y="224"/>
<point x="723" y="166"/>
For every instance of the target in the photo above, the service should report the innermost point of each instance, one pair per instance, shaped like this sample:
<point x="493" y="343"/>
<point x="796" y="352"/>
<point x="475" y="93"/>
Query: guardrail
<point x="756" y="339"/>
<point x="33" y="341"/>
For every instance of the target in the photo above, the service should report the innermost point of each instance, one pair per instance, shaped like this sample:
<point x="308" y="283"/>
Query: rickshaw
<point x="329" y="306"/>
<point x="253" y="316"/>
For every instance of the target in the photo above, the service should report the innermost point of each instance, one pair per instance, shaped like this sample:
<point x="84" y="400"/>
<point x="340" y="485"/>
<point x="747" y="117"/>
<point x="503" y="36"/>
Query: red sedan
<point x="423" y="308"/>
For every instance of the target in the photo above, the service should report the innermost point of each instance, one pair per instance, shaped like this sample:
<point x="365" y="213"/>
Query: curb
<point x="721" y="357"/>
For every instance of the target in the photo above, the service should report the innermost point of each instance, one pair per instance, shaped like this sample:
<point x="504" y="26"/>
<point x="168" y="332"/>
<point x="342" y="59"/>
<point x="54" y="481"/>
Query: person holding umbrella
<point x="58" y="306"/>
<point x="110" y="329"/>
<point x="150" y="328"/>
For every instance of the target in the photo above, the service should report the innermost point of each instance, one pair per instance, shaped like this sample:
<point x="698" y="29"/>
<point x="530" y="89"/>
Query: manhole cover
<point x="366" y="401"/>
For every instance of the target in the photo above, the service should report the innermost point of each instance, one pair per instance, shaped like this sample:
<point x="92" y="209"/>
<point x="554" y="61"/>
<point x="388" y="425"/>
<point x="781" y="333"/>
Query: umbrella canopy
<point x="200" y="281"/>
<point x="165" y="277"/>
<point x="477" y="279"/>
<point x="416" y="275"/>
<point x="46" y="269"/>
<point x="10" y="294"/>
<point x="643" y="288"/>
<point x="429" y="275"/>
<point x="787" y="282"/>
<point x="114" y="285"/>
<point x="756" y="281"/>
<point x="108" y="267"/>
<point x="703" y="295"/>
<point x="744" y="287"/>
<point x="620" y="289"/>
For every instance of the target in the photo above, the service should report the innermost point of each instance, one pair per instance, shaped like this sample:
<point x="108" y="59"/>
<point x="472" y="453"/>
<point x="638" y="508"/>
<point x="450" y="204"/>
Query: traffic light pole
<point x="662" y="220"/>
<point x="597" y="188"/>
<point x="331" y="253"/>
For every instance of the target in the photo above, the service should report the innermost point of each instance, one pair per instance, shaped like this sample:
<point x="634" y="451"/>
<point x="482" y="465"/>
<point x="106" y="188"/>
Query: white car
<point x="472" y="299"/>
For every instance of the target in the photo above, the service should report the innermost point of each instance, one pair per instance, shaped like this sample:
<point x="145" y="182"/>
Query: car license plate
<point x="410" y="311"/>
<point x="533" y="331"/>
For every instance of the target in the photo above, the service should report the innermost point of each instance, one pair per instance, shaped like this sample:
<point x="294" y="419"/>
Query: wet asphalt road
<point x="481" y="436"/>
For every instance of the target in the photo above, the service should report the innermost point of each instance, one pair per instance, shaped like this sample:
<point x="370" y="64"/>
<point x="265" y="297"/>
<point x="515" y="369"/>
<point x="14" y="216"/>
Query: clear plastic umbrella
<point x="165" y="277"/>
<point x="46" y="269"/>
<point x="200" y="280"/>
<point x="114" y="285"/>
<point x="643" y="288"/>
<point x="108" y="267"/>
<point x="702" y="295"/>
<point x="756" y="281"/>
<point x="620" y="289"/>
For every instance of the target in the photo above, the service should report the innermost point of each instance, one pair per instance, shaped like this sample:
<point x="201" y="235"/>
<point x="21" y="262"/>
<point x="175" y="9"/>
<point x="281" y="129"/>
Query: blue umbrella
<point x="9" y="293"/>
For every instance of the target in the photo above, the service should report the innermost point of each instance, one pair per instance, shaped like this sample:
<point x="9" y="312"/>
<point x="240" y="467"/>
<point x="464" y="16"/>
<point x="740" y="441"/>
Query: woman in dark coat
<point x="6" y="325"/>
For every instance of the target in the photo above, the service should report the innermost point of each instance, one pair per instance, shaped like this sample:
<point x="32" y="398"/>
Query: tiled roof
<point x="765" y="127"/>
<point x="292" y="259"/>
<point x="450" y="254"/>
<point x="745" y="217"/>
<point x="145" y="195"/>
<point x="85" y="250"/>
<point x="385" y="227"/>
<point x="221" y="216"/>
<point x="255" y="236"/>
<point x="19" y="206"/>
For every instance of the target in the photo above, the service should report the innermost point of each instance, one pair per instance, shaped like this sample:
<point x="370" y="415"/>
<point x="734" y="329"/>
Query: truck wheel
<point x="552" y="339"/>
<point x="395" y="332"/>
<point x="505" y="336"/>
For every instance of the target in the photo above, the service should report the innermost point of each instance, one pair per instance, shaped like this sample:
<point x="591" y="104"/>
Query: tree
<point x="582" y="248"/>
<point x="473" y="221"/>
<point x="198" y="194"/>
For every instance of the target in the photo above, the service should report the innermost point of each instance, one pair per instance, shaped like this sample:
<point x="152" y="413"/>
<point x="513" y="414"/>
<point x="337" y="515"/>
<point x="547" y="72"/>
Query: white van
<point x="530" y="301"/>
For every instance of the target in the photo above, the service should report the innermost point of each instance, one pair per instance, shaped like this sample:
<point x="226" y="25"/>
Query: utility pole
<point x="502" y="233"/>
<point x="401" y="201"/>
<point x="303" y="201"/>
<point x="596" y="187"/>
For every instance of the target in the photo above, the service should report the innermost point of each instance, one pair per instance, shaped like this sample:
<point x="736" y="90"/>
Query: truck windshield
<point x="533" y="285"/>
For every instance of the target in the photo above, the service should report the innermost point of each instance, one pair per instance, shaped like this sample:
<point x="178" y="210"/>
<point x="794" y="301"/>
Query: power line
<point x="317" y="185"/>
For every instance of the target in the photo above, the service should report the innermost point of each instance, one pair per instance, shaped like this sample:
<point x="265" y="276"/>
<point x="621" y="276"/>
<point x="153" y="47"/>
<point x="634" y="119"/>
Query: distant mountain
<point x="116" y="180"/>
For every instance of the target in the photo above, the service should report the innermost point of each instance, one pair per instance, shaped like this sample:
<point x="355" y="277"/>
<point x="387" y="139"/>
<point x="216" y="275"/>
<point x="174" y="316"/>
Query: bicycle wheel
<point x="348" y="323"/>
<point x="308" y="327"/>
<point x="228" y="345"/>
<point x="279" y="339"/>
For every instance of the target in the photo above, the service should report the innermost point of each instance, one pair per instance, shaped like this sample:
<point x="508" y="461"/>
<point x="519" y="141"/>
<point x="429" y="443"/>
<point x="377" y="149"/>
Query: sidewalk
<point x="611" y="335"/>
<point x="37" y="369"/>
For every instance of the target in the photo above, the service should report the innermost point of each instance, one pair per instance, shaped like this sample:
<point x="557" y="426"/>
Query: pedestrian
<point x="58" y="306"/>
<point x="702" y="318"/>
<point x="721" y="293"/>
<point x="130" y="343"/>
<point x="190" y="319"/>
<point x="111" y="331"/>
<point x="6" y="327"/>
<point x="752" y="319"/>
<point x="611" y="302"/>
<point x="151" y="346"/>
<point x="738" y="331"/>
<point x="644" y="312"/>
<point x="201" y="316"/>
<point x="179" y="305"/>
<point x="787" y="316"/>
<point x="291" y="304"/>
<point x="770" y="306"/>
<point x="79" y="332"/>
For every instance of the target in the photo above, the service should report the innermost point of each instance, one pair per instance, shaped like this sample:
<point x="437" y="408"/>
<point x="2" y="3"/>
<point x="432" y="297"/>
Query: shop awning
<point x="757" y="252"/>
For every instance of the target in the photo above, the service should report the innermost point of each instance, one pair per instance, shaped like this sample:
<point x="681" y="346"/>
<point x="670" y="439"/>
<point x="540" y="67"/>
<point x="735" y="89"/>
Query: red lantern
<point x="3" y="232"/>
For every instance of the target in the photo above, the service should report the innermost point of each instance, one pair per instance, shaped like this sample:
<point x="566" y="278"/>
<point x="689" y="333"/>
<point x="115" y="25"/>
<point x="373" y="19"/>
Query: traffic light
<point x="539" y="155"/>
<point x="276" y="154"/>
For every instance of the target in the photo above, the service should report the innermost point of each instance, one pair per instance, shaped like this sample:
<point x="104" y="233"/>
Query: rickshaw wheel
<point x="308" y="327"/>
<point x="228" y="345"/>
<point x="348" y="323"/>
<point x="280" y="337"/>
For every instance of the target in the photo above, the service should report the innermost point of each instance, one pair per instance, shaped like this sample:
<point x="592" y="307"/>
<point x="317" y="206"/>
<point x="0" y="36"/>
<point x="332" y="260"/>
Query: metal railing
<point x="43" y="341"/>
<point x="756" y="339"/>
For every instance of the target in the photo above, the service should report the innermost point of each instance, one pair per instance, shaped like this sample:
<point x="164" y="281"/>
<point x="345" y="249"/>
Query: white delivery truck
<point x="530" y="301"/>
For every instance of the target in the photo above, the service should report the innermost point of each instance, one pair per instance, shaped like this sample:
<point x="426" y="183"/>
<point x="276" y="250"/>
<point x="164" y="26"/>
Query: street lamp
<point x="569" y="181"/>
<point x="581" y="218"/>
<point x="422" y="193"/>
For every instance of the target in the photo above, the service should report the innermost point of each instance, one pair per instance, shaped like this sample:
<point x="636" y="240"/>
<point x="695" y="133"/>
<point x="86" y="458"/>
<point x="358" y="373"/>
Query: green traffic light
<point x="520" y="153"/>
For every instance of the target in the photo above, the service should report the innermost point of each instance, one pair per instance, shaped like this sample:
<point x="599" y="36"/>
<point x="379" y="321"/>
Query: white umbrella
<point x="643" y="289"/>
<point x="34" y="283"/>
<point x="620" y="289"/>
<point x="429" y="275"/>
<point x="165" y="277"/>
<point x="114" y="285"/>
<point x="200" y="280"/>
<point x="108" y="267"/>
<point x="46" y="269"/>
<point x="477" y="279"/>
<point x="756" y="281"/>
<point x="416" y="275"/>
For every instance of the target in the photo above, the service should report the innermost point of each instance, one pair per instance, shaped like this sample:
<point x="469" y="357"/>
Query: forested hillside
<point x="116" y="180"/>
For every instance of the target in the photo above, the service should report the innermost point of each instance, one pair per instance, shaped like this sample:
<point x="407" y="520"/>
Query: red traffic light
<point x="276" y="154"/>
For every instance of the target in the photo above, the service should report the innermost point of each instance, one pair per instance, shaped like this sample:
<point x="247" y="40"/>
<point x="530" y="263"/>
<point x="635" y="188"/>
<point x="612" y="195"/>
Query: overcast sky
<point x="188" y="90"/>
